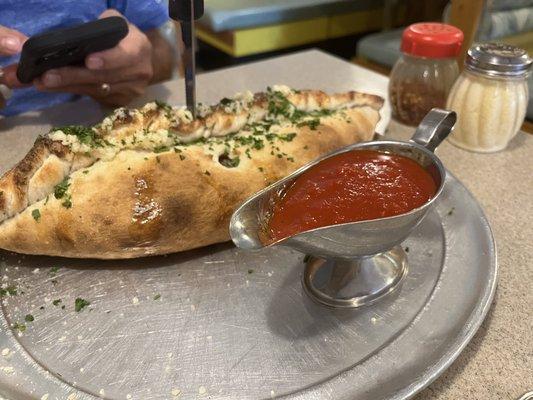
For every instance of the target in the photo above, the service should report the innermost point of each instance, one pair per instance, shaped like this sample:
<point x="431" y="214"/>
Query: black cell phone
<point x="68" y="46"/>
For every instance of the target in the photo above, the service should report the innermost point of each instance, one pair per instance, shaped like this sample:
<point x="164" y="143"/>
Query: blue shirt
<point x="36" y="16"/>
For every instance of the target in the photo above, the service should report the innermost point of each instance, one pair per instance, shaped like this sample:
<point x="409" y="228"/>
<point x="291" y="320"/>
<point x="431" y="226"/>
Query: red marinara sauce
<point x="354" y="186"/>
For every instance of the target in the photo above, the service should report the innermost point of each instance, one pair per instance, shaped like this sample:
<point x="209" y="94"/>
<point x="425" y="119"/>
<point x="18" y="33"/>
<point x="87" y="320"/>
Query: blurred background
<point x="366" y="32"/>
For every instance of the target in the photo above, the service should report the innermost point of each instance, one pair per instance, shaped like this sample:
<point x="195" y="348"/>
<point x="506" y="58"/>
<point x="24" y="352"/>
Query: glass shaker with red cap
<point x="422" y="78"/>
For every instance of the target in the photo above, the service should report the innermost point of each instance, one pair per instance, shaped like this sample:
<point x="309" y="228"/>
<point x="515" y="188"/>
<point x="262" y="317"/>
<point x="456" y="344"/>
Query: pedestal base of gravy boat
<point x="357" y="263"/>
<point x="354" y="283"/>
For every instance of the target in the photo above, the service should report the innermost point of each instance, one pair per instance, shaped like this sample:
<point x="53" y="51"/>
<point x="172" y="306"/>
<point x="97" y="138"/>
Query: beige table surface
<point x="497" y="364"/>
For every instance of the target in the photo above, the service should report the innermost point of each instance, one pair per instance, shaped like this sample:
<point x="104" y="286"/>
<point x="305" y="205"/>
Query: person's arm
<point x="162" y="57"/>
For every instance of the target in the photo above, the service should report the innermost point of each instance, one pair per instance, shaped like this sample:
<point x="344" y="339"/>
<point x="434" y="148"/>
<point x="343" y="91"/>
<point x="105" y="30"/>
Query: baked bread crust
<point x="142" y="202"/>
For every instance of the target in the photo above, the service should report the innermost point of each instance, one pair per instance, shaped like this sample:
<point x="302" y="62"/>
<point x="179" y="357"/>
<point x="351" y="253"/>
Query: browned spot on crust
<point x="125" y="119"/>
<point x="56" y="148"/>
<point x="372" y="98"/>
<point x="178" y="212"/>
<point x="64" y="231"/>
<point x="29" y="164"/>
<point x="187" y="127"/>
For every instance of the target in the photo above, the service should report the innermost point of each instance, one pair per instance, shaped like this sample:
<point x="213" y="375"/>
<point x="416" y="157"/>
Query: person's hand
<point x="11" y="42"/>
<point x="112" y="77"/>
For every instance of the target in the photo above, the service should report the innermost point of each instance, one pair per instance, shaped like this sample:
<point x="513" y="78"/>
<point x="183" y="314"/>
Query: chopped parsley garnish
<point x="250" y="271"/>
<point x="261" y="169"/>
<point x="287" y="137"/>
<point x="278" y="105"/>
<point x="60" y="192"/>
<point x="61" y="188"/>
<point x="161" y="149"/>
<point x="10" y="290"/>
<point x="321" y="113"/>
<point x="207" y="173"/>
<point x="163" y="105"/>
<point x="67" y="203"/>
<point x="29" y="318"/>
<point x="253" y="141"/>
<point x="36" y="214"/>
<point x="307" y="258"/>
<point x="53" y="271"/>
<point x="85" y="171"/>
<point x="85" y="135"/>
<point x="157" y="296"/>
<point x="451" y="211"/>
<point x="19" y="327"/>
<point x="182" y="157"/>
<point x="311" y="123"/>
<point x="56" y="302"/>
<point x="80" y="304"/>
<point x="407" y="249"/>
<point x="225" y="101"/>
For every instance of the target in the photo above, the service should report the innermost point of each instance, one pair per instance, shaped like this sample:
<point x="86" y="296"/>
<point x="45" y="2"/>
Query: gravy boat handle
<point x="434" y="128"/>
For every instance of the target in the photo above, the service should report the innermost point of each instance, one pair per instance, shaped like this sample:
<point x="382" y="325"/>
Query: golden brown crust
<point x="142" y="203"/>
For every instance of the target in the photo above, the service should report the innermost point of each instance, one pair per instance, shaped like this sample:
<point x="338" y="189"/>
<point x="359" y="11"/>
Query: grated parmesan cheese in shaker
<point x="490" y="97"/>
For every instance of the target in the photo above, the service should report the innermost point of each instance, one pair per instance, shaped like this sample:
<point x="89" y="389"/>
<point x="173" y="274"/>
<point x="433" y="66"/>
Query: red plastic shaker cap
<point x="432" y="40"/>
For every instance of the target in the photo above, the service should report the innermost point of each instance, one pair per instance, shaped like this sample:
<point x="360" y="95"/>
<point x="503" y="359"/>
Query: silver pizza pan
<point x="219" y="323"/>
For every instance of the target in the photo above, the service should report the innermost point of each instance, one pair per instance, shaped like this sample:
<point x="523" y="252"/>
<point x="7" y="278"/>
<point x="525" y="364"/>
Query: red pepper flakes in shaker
<point x="423" y="76"/>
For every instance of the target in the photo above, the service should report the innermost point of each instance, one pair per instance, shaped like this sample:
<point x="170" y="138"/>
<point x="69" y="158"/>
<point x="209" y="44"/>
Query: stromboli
<point x="152" y="181"/>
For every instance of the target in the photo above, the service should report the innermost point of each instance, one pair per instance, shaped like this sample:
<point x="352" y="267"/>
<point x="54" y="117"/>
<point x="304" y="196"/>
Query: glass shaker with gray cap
<point x="490" y="97"/>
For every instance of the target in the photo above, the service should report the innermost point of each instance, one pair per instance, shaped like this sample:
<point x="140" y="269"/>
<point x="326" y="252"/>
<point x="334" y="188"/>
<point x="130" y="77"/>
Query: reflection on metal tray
<point x="219" y="323"/>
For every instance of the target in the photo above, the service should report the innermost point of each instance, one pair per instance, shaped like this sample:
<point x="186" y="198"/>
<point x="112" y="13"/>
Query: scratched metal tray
<point x="219" y="323"/>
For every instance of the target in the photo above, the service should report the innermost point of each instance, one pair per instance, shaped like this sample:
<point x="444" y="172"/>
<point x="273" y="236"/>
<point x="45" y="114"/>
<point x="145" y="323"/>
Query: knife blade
<point x="186" y="12"/>
<point x="190" y="65"/>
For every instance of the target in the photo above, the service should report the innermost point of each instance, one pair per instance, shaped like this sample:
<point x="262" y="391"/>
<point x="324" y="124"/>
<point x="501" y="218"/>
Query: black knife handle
<point x="180" y="10"/>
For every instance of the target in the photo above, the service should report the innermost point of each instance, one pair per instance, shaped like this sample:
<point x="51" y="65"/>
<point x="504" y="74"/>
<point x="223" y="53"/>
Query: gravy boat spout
<point x="248" y="223"/>
<point x="346" y="245"/>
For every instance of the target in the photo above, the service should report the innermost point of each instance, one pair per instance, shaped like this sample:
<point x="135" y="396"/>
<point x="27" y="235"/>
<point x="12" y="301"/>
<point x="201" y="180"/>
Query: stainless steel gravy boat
<point x="351" y="264"/>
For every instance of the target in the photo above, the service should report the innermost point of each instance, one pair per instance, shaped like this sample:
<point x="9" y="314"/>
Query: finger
<point x="72" y="76"/>
<point x="128" y="51"/>
<point x="10" y="77"/>
<point x="110" y="12"/>
<point x="11" y="41"/>
<point x="119" y="94"/>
